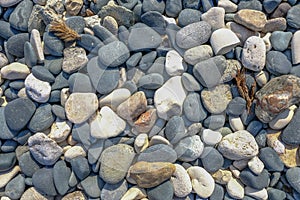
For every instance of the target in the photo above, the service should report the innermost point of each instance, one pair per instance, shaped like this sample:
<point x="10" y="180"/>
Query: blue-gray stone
<point x="134" y="60"/>
<point x="158" y="153"/>
<point x="79" y="82"/>
<point x="193" y="108"/>
<point x="81" y="133"/>
<point x="131" y="86"/>
<point x="73" y="181"/>
<point x="255" y="181"/>
<point x="103" y="79"/>
<point x="20" y="16"/>
<point x="270" y="5"/>
<point x="192" y="4"/>
<point x="275" y="194"/>
<point x="236" y="106"/>
<point x="5" y="132"/>
<point x="54" y="64"/>
<point x="210" y="71"/>
<point x="6" y="31"/>
<point x="295" y="70"/>
<point x="123" y="34"/>
<point x="88" y="42"/>
<point x="53" y="44"/>
<point x="15" y="44"/>
<point x="8" y="12"/>
<point x="157" y="5"/>
<point x="214" y="122"/>
<point x="43" y="74"/>
<point x="292" y="17"/>
<point x="207" y="4"/>
<point x="30" y="55"/>
<point x="61" y="81"/>
<point x="293" y="175"/>
<point x="250" y="4"/>
<point x="190" y="83"/>
<point x="11" y="94"/>
<point x="61" y="176"/>
<point x="58" y="111"/>
<point x="43" y="181"/>
<point x="154" y="20"/>
<point x="23" y="136"/>
<point x="261" y="138"/>
<point x="277" y="63"/>
<point x="28" y="164"/>
<point x="114" y="191"/>
<point x="98" y="5"/>
<point x="291" y="134"/>
<point x="92" y="186"/>
<point x="95" y="151"/>
<point x="147" y="60"/>
<point x="104" y="35"/>
<point x="113" y="54"/>
<point x="8" y="160"/>
<point x="254" y="127"/>
<point x="143" y="38"/>
<point x="163" y="191"/>
<point x="9" y="146"/>
<point x="211" y="159"/>
<point x="175" y="129"/>
<point x="15" y="187"/>
<point x="271" y="159"/>
<point x="218" y="193"/>
<point x="76" y="23"/>
<point x="274" y="178"/>
<point x="280" y="40"/>
<point x="54" y="96"/>
<point x="128" y="3"/>
<point x="173" y="7"/>
<point x="81" y="167"/>
<point x="17" y="84"/>
<point x="151" y="81"/>
<point x="18" y="113"/>
<point x="246" y="116"/>
<point x="188" y="16"/>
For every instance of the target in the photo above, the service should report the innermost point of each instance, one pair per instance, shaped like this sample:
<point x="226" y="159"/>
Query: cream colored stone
<point x="235" y="172"/>
<point x="222" y="176"/>
<point x="32" y="194"/>
<point x="134" y="193"/>
<point x="141" y="142"/>
<point x="222" y="45"/>
<point x="157" y="139"/>
<point x="74" y="152"/>
<point x="181" y="182"/>
<point x="35" y="40"/>
<point x="274" y="142"/>
<point x="295" y="47"/>
<point x="5" y="177"/>
<point x="60" y="130"/>
<point x="261" y="78"/>
<point x="267" y="42"/>
<point x="236" y="123"/>
<point x="235" y="189"/>
<point x="257" y="194"/>
<point x="256" y="165"/>
<point x="174" y="65"/>
<point x="14" y="71"/>
<point x="229" y="6"/>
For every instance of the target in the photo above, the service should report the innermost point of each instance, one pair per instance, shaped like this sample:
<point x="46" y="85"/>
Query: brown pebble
<point x="277" y="24"/>
<point x="252" y="19"/>
<point x="281" y="10"/>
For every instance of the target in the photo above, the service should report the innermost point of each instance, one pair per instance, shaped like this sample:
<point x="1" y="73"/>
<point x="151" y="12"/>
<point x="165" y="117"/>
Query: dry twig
<point x="61" y="30"/>
<point x="243" y="89"/>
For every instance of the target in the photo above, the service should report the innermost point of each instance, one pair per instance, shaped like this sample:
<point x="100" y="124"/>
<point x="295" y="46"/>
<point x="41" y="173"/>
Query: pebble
<point x="252" y="19"/>
<point x="198" y="33"/>
<point x="292" y="176"/>
<point x="80" y="106"/>
<point x="114" y="191"/>
<point x="74" y="59"/>
<point x="295" y="47"/>
<point x="42" y="74"/>
<point x="61" y="175"/>
<point x="236" y="123"/>
<point x="210" y="137"/>
<point x="190" y="83"/>
<point x="20" y="16"/>
<point x="211" y="159"/>
<point x="282" y="119"/>
<point x="193" y="108"/>
<point x="133" y="193"/>
<point x="151" y="174"/>
<point x="74" y="152"/>
<point x="216" y="100"/>
<point x="155" y="20"/>
<point x="235" y="188"/>
<point x="164" y="191"/>
<point x="74" y="195"/>
<point x="254" y="54"/>
<point x="36" y="89"/>
<point x="174" y="65"/>
<point x="229" y="6"/>
<point x="151" y="81"/>
<point x="277" y="63"/>
<point x="236" y="106"/>
<point x="197" y="54"/>
<point x="278" y="24"/>
<point x="169" y="98"/>
<point x="14" y="71"/>
<point x="214" y="17"/>
<point x="73" y="6"/>
<point x="115" y="98"/>
<point x="222" y="45"/>
<point x="189" y="148"/>
<point x="43" y="149"/>
<point x="292" y="17"/>
<point x="60" y="130"/>
<point x="113" y="54"/>
<point x="157" y="139"/>
<point x="280" y="40"/>
<point x="202" y="182"/>
<point x="188" y="16"/>
<point x="8" y="175"/>
<point x="154" y="6"/>
<point x="238" y="145"/>
<point x="43" y="181"/>
<point x="158" y="153"/>
<point x="214" y="122"/>
<point x="146" y="121"/>
<point x="31" y="193"/>
<point x="15" y="188"/>
<point x="181" y="182"/>
<point x="241" y="32"/>
<point x="276" y="194"/>
<point x="257" y="194"/>
<point x="210" y="76"/>
<point x="91" y="185"/>
<point x="141" y="142"/>
<point x="7" y="161"/>
<point x="28" y="164"/>
<point x="80" y="167"/>
<point x="256" y="165"/>
<point x="15" y="44"/>
<point x="255" y="181"/>
<point x="254" y="127"/>
<point x="116" y="161"/>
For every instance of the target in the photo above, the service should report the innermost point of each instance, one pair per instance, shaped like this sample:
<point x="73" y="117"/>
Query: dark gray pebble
<point x="58" y="111"/>
<point x="236" y="106"/>
<point x="81" y="133"/>
<point x="16" y="187"/>
<point x="80" y="167"/>
<point x="271" y="159"/>
<point x="158" y="153"/>
<point x="261" y="138"/>
<point x="23" y="136"/>
<point x="173" y="7"/>
<point x="192" y="4"/>
<point x="89" y="42"/>
<point x="76" y="23"/>
<point x="20" y="16"/>
<point x="92" y="186"/>
<point x="17" y="84"/>
<point x="114" y="191"/>
<point x="54" y="96"/>
<point x="154" y="20"/>
<point x="291" y="134"/>
<point x="8" y="160"/>
<point x="131" y="86"/>
<point x="54" y="64"/>
<point x="214" y="122"/>
<point x="277" y="63"/>
<point x="190" y="83"/>
<point x="30" y="55"/>
<point x="293" y="175"/>
<point x="128" y="3"/>
<point x="147" y="60"/>
<point x="9" y="146"/>
<point x="151" y="81"/>
<point x="292" y="17"/>
<point x="275" y="194"/>
<point x="193" y="108"/>
<point x="270" y="5"/>
<point x="28" y="164"/>
<point x="254" y="127"/>
<point x="158" y="6"/>
<point x="52" y="44"/>
<point x="43" y="181"/>
<point x="211" y="159"/>
<point x="255" y="181"/>
<point x="163" y="191"/>
<point x="43" y="74"/>
<point x="79" y="82"/>
<point x="15" y="44"/>
<point x="175" y="129"/>
<point x="188" y="16"/>
<point x="61" y="176"/>
<point x="104" y="35"/>
<point x="61" y="81"/>
<point x="134" y="60"/>
<point x="251" y="4"/>
<point x="42" y="118"/>
<point x="6" y="31"/>
<point x="123" y="34"/>
<point x="5" y="132"/>
<point x="218" y="193"/>
<point x="11" y="94"/>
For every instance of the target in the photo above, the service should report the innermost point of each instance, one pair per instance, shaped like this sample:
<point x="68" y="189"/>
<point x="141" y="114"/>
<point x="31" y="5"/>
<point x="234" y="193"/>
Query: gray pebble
<point x="280" y="40"/>
<point x="54" y="64"/>
<point x="114" y="191"/>
<point x="134" y="60"/>
<point x="79" y="82"/>
<point x="188" y="16"/>
<point x="236" y="106"/>
<point x="158" y="6"/>
<point x="155" y="20"/>
<point x="254" y="127"/>
<point x="80" y="167"/>
<point x="277" y="63"/>
<point x="212" y="159"/>
<point x="61" y="176"/>
<point x="292" y="17"/>
<point x="190" y="83"/>
<point x="189" y="148"/>
<point x="92" y="185"/>
<point x="193" y="109"/>
<point x="9" y="146"/>
<point x="271" y="159"/>
<point x="8" y="160"/>
<point x="27" y="164"/>
<point x="292" y="176"/>
<point x="163" y="191"/>
<point x="275" y="194"/>
<point x="16" y="187"/>
<point x="255" y="181"/>
<point x="89" y="42"/>
<point x="43" y="74"/>
<point x="5" y="131"/>
<point x="218" y="193"/>
<point x="53" y="45"/>
<point x="20" y="16"/>
<point x="147" y="60"/>
<point x="214" y="122"/>
<point x="158" y="153"/>
<point x="175" y="129"/>
<point x="15" y="44"/>
<point x="61" y="81"/>
<point x="173" y="7"/>
<point x="43" y="181"/>
<point x="151" y="81"/>
<point x="76" y="23"/>
<point x="6" y="31"/>
<point x="30" y="55"/>
<point x="104" y="35"/>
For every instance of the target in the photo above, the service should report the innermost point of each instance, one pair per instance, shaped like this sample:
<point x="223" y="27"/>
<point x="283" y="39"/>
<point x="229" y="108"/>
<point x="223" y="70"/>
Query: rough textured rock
<point x="252" y="19"/>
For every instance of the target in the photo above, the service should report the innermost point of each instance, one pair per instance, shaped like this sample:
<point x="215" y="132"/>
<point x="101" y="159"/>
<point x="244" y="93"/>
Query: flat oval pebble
<point x="292" y="176"/>
<point x="36" y="89"/>
<point x="277" y="63"/>
<point x="158" y="153"/>
<point x="193" y="108"/>
<point x="42" y="74"/>
<point x="164" y="191"/>
<point x="151" y="81"/>
<point x="255" y="181"/>
<point x="15" y="44"/>
<point x="43" y="181"/>
<point x="181" y="182"/>
<point x="292" y="14"/>
<point x="252" y="19"/>
<point x="20" y="16"/>
<point x="61" y="175"/>
<point x="211" y="159"/>
<point x="14" y="71"/>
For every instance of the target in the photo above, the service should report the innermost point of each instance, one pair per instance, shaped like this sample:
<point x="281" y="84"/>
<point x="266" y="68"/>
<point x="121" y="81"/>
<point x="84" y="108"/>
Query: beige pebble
<point x="5" y="198"/>
<point x="3" y="60"/>
<point x="73" y="7"/>
<point x="257" y="194"/>
<point x="5" y="177"/>
<point x="74" y="152"/>
<point x="256" y="165"/>
<point x="77" y="195"/>
<point x="22" y="93"/>
<point x="262" y="78"/>
<point x="222" y="176"/>
<point x="274" y="142"/>
<point x="14" y="71"/>
<point x="283" y="118"/>
<point x="253" y="19"/>
<point x="157" y="139"/>
<point x="32" y="194"/>
<point x="235" y="189"/>
<point x="181" y="182"/>
<point x="71" y="141"/>
<point x="64" y="95"/>
<point x="236" y="123"/>
<point x="235" y="172"/>
<point x="36" y="89"/>
<point x="134" y="193"/>
<point x="60" y="130"/>
<point x="141" y="142"/>
<point x="229" y="6"/>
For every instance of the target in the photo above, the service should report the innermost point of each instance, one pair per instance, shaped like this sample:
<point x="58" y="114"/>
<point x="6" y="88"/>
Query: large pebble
<point x="222" y="45"/>
<point x="270" y="159"/>
<point x="158" y="153"/>
<point x="277" y="63"/>
<point x="238" y="145"/>
<point x="20" y="16"/>
<point x="28" y="164"/>
<point x="42" y="118"/>
<point x="255" y="181"/>
<point x="214" y="17"/>
<point x="60" y="130"/>
<point x="190" y="83"/>
<point x="175" y="129"/>
<point x="290" y="135"/>
<point x="193" y="108"/>
<point x="292" y="176"/>
<point x="189" y="148"/>
<point x="198" y="54"/>
<point x="235" y="188"/>
<point x="252" y="19"/>
<point x="45" y="150"/>
<point x="61" y="175"/>
<point x="162" y="191"/>
<point x="211" y="159"/>
<point x="5" y="131"/>
<point x="202" y="182"/>
<point x="295" y="48"/>
<point x="36" y="89"/>
<point x="174" y="65"/>
<point x="114" y="191"/>
<point x="80" y="106"/>
<point x="43" y="181"/>
<point x="181" y="182"/>
<point x="15" y="44"/>
<point x="80" y="167"/>
<point x="292" y="17"/>
<point x="14" y="71"/>
<point x="74" y="59"/>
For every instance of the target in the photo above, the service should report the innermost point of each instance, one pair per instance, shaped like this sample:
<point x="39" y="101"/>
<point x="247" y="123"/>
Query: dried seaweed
<point x="243" y="89"/>
<point x="61" y="30"/>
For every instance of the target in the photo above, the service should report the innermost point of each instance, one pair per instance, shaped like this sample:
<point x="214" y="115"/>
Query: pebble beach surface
<point x="149" y="99"/>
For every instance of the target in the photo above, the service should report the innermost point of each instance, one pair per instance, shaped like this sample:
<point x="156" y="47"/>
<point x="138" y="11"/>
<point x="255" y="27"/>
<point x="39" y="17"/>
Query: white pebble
<point x="141" y="142"/>
<point x="256" y="165"/>
<point x="257" y="194"/>
<point x="181" y="182"/>
<point x="174" y="65"/>
<point x="222" y="45"/>
<point x="157" y="139"/>
<point x="236" y="123"/>
<point x="36" y="89"/>
<point x="60" y="130"/>
<point x="210" y="137"/>
<point x="295" y="47"/>
<point x="35" y="40"/>
<point x="14" y="71"/>
<point x="261" y="78"/>
<point x="235" y="189"/>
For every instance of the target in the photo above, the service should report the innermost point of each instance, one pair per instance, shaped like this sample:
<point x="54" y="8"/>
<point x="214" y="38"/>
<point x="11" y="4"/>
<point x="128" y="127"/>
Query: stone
<point x="258" y="194"/>
<point x="18" y="113"/>
<point x="255" y="181"/>
<point x="36" y="89"/>
<point x="158" y="153"/>
<point x="292" y="176"/>
<point x="175" y="129"/>
<point x="169" y="98"/>
<point x="238" y="145"/>
<point x="174" y="65"/>
<point x="6" y="176"/>
<point x="270" y="5"/>
<point x="214" y="17"/>
<point x="190" y="83"/>
<point x="80" y="106"/>
<point x="214" y="122"/>
<point x="193" y="109"/>
<point x="15" y="44"/>
<point x="73" y="7"/>
<point x="43" y="74"/>
<point x="290" y="156"/>
<point x="222" y="45"/>
<point x="295" y="47"/>
<point x="181" y="182"/>
<point x="292" y="18"/>
<point x="52" y="44"/>
<point x="164" y="191"/>
<point x="151" y="174"/>
<point x="256" y="165"/>
<point x="115" y="162"/>
<point x="61" y="175"/>
<point x="42" y="118"/>
<point x="229" y="6"/>
<point x="280" y="40"/>
<point x="235" y="188"/>
<point x="74" y="195"/>
<point x="222" y="176"/>
<point x="277" y="24"/>
<point x="254" y="54"/>
<point x="202" y="182"/>
<point x="276" y="194"/>
<point x="14" y="71"/>
<point x="128" y="4"/>
<point x="173" y="7"/>
<point x="283" y="89"/>
<point x="146" y="121"/>
<point x="74" y="59"/>
<point x="60" y="130"/>
<point x="20" y="16"/>
<point x="43" y="181"/>
<point x="134" y="192"/>
<point x="73" y="152"/>
<point x="80" y="167"/>
<point x="188" y="16"/>
<point x="154" y="6"/>
<point x="189" y="148"/>
<point x="6" y="32"/>
<point x="243" y="33"/>
<point x="210" y="137"/>
<point x="236" y="106"/>
<point x="35" y="41"/>
<point x="197" y="54"/>
<point x="28" y="164"/>
<point x="44" y="150"/>
<point x="141" y="142"/>
<point x="193" y="35"/>
<point x="113" y="54"/>
<point x="216" y="100"/>
<point x="7" y="161"/>
<point x="9" y="3"/>
<point x="155" y="20"/>
<point x="114" y="191"/>
<point x="151" y="39"/>
<point x="98" y="124"/>
<point x="278" y="63"/>
<point x="91" y="185"/>
<point x="151" y="81"/>
<point x="31" y="193"/>
<point x="209" y="72"/>
<point x="211" y="159"/>
<point x="236" y="123"/>
<point x="252" y="19"/>
<point x="15" y="188"/>
<point x="115" y="98"/>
